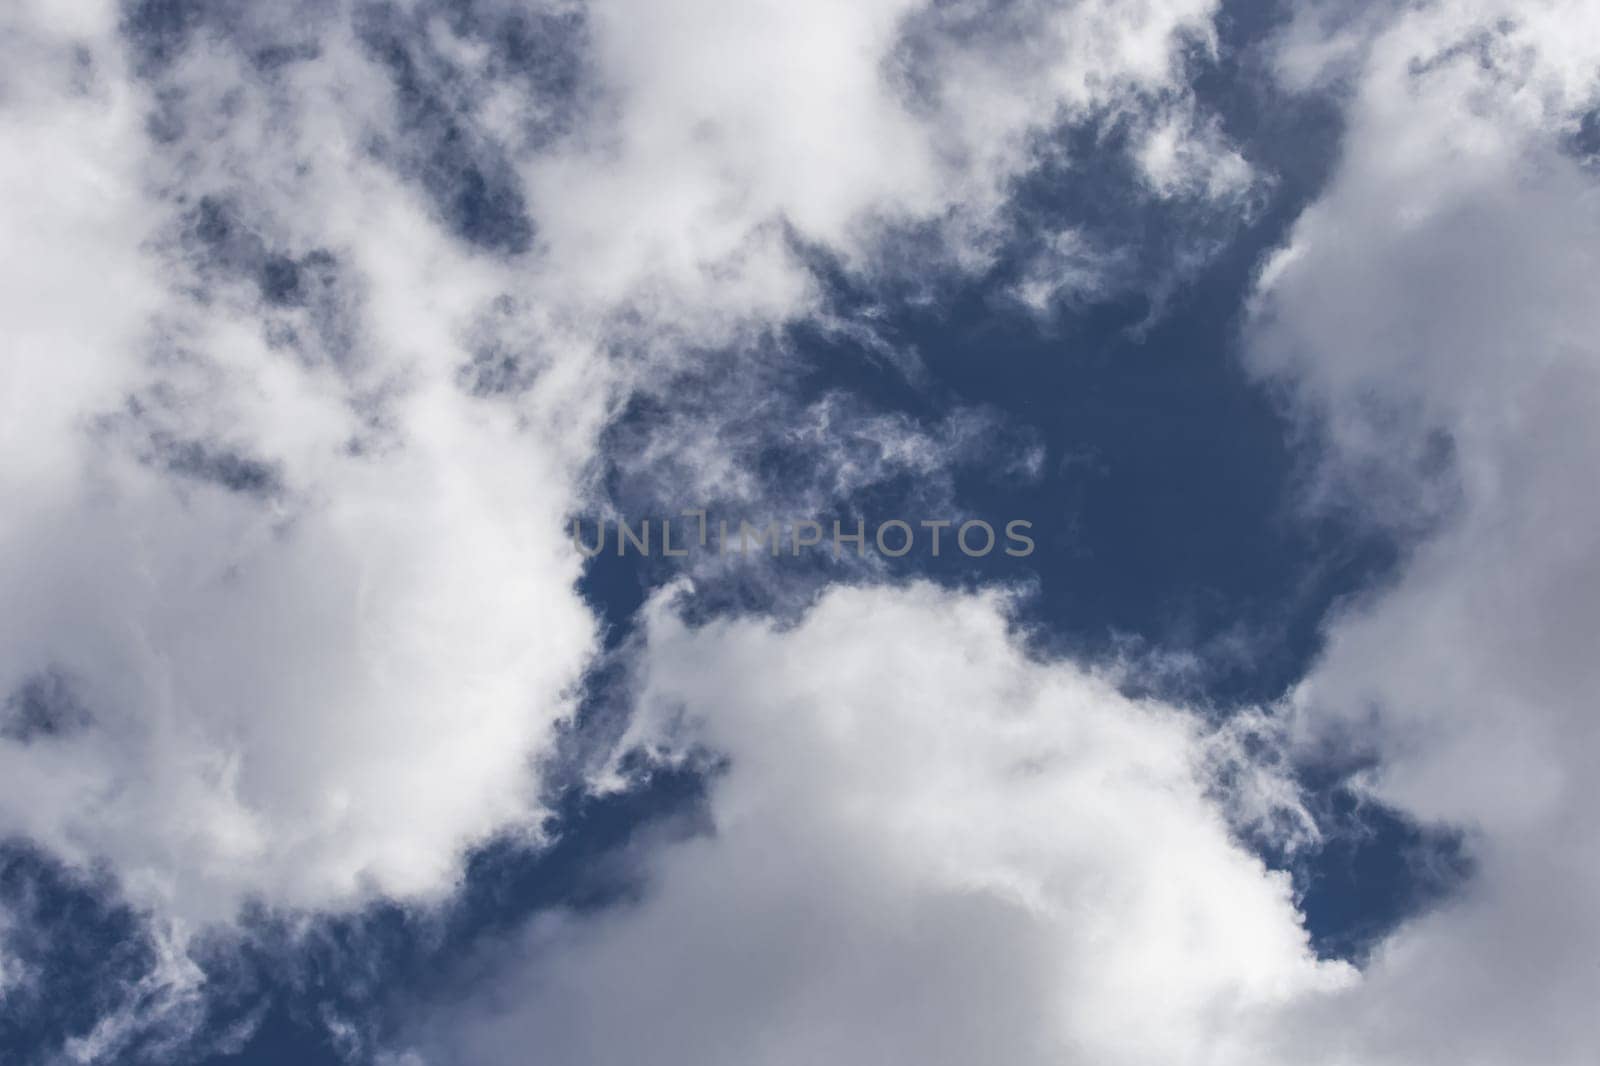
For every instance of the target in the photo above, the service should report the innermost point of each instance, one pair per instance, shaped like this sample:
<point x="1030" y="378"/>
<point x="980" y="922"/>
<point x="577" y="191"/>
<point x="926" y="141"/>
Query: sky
<point x="1260" y="337"/>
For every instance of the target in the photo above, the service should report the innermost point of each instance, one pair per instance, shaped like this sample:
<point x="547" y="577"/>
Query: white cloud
<point x="310" y="599"/>
<point x="927" y="847"/>
<point x="297" y="608"/>
<point x="1434" y="315"/>
<point x="328" y="676"/>
<point x="1181" y="154"/>
<point x="721" y="131"/>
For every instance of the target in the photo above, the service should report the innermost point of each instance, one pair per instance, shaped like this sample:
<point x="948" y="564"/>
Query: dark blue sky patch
<point x="1167" y="504"/>
<point x="280" y="1036"/>
<point x="468" y="176"/>
<point x="1145" y="246"/>
<point x="159" y="30"/>
<point x="220" y="465"/>
<point x="46" y="705"/>
<point x="80" y="950"/>
<point x="279" y="280"/>
<point x="270" y="36"/>
<point x="754" y="408"/>
<point x="1166" y="509"/>
<point x="1584" y="141"/>
<point x="1374" y="869"/>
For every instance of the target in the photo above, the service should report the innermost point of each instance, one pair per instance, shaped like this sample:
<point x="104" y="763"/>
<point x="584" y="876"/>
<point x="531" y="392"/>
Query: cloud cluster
<point x="1433" y="318"/>
<point x="926" y="847"/>
<point x="314" y="315"/>
<point x="725" y="136"/>
<point x="287" y="610"/>
<point x="316" y="320"/>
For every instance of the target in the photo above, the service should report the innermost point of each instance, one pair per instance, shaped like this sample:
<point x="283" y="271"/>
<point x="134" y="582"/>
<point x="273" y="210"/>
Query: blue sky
<point x="322" y="743"/>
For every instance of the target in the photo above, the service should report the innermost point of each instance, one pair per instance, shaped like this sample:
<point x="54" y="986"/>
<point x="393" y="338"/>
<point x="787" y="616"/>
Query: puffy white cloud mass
<point x="926" y="847"/>
<point x="729" y="131"/>
<point x="1434" y="317"/>
<point x="313" y="315"/>
<point x="286" y="614"/>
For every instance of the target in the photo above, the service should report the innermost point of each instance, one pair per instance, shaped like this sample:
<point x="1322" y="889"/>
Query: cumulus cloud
<point x="725" y="134"/>
<point x="315" y="314"/>
<point x="288" y="611"/>
<point x="1432" y="317"/>
<point x="926" y="846"/>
